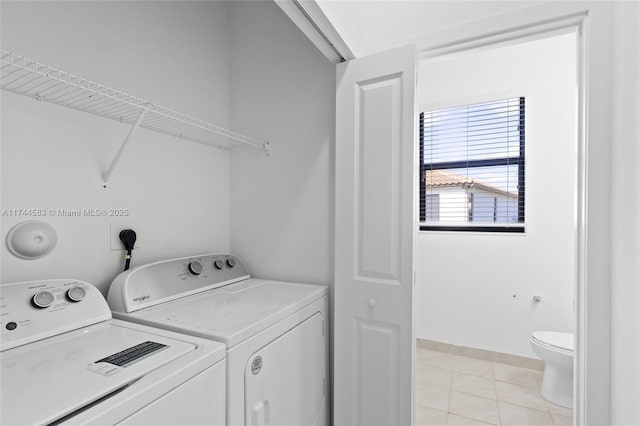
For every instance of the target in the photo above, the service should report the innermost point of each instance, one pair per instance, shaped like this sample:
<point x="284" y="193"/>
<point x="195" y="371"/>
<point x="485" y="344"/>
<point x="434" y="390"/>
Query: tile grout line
<point x="516" y="384"/>
<point x="524" y="406"/>
<point x="450" y="391"/>
<point x="471" y="418"/>
<point x="495" y="389"/>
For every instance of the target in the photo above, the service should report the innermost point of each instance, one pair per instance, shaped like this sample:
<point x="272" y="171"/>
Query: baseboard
<point x="515" y="360"/>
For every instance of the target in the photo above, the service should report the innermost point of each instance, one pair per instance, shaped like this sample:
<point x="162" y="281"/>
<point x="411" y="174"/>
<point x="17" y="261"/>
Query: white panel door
<point x="375" y="225"/>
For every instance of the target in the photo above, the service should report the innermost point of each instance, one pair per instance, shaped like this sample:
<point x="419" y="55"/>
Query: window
<point x="472" y="167"/>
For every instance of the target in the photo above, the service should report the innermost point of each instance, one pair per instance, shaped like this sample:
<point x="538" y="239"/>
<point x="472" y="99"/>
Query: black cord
<point x="128" y="238"/>
<point x="128" y="260"/>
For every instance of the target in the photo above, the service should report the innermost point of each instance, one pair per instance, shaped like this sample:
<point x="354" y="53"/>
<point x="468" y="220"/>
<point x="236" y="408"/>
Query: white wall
<point x="173" y="53"/>
<point x="625" y="211"/>
<point x="453" y="204"/>
<point x="282" y="205"/>
<point x="466" y="282"/>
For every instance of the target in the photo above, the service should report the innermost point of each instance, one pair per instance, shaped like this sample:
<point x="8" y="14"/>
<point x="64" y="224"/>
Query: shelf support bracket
<point x="114" y="162"/>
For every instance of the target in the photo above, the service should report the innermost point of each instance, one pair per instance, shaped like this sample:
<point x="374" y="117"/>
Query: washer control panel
<point x="35" y="310"/>
<point x="159" y="282"/>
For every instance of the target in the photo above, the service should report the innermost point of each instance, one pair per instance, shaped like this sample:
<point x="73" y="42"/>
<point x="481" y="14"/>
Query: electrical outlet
<point x="115" y="229"/>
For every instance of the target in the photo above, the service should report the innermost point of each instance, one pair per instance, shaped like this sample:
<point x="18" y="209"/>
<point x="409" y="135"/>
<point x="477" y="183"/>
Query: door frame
<point x="545" y="23"/>
<point x="592" y="22"/>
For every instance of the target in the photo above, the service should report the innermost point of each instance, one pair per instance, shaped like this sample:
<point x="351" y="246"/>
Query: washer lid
<point x="47" y="380"/>
<point x="556" y="339"/>
<point x="233" y="313"/>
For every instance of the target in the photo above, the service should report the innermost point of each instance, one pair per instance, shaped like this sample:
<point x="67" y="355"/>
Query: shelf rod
<point x="132" y="131"/>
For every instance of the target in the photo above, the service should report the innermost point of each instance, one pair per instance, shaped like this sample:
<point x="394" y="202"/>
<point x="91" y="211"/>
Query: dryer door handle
<point x="261" y="413"/>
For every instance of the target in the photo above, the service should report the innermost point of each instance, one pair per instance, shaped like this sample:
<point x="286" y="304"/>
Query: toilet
<point x="556" y="350"/>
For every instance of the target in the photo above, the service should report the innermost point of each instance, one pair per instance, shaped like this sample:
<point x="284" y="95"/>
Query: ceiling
<point x="370" y="26"/>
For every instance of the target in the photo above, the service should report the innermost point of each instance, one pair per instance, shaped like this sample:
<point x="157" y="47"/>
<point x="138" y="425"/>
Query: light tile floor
<point x="453" y="390"/>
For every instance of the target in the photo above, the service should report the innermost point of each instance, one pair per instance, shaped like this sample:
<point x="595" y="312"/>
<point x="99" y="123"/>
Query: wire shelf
<point x="42" y="82"/>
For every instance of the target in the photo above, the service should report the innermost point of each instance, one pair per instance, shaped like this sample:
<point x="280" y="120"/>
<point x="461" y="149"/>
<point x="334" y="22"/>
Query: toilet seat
<point x="554" y="340"/>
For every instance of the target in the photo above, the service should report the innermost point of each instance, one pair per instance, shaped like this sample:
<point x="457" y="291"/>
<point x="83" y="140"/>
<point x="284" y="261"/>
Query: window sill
<point x="505" y="229"/>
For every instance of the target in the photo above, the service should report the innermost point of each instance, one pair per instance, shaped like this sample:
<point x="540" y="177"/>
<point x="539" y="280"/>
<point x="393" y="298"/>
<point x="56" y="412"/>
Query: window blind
<point x="472" y="168"/>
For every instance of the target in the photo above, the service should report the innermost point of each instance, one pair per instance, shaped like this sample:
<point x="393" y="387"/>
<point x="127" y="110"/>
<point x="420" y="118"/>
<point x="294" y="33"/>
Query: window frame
<point x="517" y="227"/>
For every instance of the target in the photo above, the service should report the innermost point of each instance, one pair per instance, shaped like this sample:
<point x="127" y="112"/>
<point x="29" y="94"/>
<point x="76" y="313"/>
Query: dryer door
<point x="285" y="380"/>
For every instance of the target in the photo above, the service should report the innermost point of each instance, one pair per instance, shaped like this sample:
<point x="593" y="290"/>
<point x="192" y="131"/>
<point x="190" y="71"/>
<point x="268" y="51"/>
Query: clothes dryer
<point x="276" y="333"/>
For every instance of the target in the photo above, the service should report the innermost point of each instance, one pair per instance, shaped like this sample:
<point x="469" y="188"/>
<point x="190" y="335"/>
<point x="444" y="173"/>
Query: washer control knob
<point x="42" y="299"/>
<point x="195" y="268"/>
<point x="218" y="264"/>
<point x="76" y="294"/>
<point x="231" y="262"/>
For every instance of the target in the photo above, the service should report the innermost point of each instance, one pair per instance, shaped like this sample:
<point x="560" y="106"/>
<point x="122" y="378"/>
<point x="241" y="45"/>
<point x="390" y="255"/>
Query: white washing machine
<point x="275" y="332"/>
<point x="64" y="360"/>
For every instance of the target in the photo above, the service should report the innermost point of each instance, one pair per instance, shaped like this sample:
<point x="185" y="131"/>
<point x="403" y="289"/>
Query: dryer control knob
<point x="42" y="299"/>
<point x="76" y="294"/>
<point x="231" y="262"/>
<point x="218" y="264"/>
<point x="195" y="268"/>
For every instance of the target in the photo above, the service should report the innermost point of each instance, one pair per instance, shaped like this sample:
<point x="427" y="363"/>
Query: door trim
<point x="576" y="22"/>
